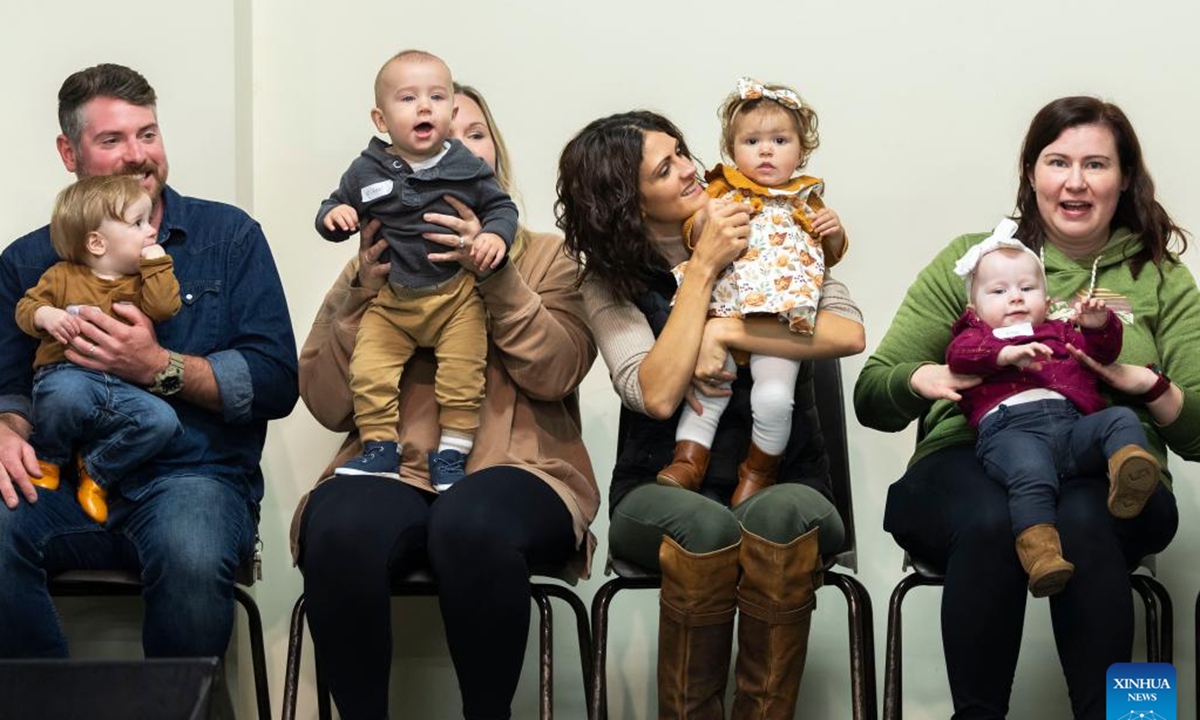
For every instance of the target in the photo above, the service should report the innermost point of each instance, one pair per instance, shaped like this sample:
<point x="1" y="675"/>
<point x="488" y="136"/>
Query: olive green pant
<point x="780" y="513"/>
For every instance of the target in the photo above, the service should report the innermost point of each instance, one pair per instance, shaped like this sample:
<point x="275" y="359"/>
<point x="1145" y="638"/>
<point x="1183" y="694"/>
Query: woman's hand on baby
<point x="937" y="382"/>
<point x="1129" y="379"/>
<point x="464" y="230"/>
<point x="342" y="217"/>
<point x="61" y="324"/>
<point x="724" y="236"/>
<point x="1091" y="313"/>
<point x="1029" y="355"/>
<point x="372" y="273"/>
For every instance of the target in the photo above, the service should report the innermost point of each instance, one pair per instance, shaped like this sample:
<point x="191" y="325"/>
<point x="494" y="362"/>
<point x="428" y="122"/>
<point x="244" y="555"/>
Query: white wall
<point x="922" y="105"/>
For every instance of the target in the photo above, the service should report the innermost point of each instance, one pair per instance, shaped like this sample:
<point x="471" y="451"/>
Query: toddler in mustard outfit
<point x="110" y="254"/>
<point x="769" y="133"/>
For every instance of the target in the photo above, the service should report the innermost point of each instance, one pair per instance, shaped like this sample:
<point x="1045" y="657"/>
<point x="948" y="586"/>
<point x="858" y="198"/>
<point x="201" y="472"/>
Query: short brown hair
<point x="105" y="80"/>
<point x="804" y="118"/>
<point x="82" y="206"/>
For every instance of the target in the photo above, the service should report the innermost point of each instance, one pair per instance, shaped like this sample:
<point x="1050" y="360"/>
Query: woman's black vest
<point x="646" y="445"/>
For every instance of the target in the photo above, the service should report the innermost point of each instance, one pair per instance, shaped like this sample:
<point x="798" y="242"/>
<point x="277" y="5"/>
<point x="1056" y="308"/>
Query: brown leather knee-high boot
<point x="776" y="598"/>
<point x="695" y="631"/>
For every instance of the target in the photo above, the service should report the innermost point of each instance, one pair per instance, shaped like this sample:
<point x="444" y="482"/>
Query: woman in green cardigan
<point x="1086" y="203"/>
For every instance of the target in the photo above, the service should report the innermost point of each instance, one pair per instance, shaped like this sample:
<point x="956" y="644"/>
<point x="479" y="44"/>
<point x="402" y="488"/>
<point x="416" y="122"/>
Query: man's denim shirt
<point x="234" y="315"/>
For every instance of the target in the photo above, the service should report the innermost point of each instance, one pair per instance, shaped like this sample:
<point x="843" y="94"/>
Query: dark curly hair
<point x="599" y="201"/>
<point x="1137" y="209"/>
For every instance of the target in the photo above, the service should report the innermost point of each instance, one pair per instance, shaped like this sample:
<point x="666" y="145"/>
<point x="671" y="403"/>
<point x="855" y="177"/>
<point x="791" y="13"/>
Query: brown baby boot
<point x="1041" y="555"/>
<point x="757" y="472"/>
<point x="50" y="476"/>
<point x="1133" y="475"/>
<point x="92" y="498"/>
<point x="687" y="468"/>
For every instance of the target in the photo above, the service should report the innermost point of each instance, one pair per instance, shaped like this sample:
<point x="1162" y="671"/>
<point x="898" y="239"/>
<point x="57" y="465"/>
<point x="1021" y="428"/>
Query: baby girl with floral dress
<point x="769" y="133"/>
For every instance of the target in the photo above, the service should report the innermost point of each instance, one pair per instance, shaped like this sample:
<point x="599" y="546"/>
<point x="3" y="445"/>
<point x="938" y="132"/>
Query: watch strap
<point x="1161" y="386"/>
<point x="169" y="380"/>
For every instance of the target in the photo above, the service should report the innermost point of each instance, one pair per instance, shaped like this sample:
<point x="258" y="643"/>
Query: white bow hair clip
<point x="1001" y="238"/>
<point x="751" y="89"/>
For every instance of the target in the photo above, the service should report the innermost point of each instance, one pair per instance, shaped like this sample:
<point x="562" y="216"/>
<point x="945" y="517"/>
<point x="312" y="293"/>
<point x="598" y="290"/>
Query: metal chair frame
<point x="423" y="584"/>
<point x="110" y="583"/>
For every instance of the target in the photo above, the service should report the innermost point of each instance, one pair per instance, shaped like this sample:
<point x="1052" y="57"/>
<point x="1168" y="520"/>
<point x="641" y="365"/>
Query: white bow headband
<point x="750" y="89"/>
<point x="1001" y="238"/>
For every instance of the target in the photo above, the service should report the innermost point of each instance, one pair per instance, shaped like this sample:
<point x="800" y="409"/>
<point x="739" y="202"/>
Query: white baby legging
<point x="771" y="401"/>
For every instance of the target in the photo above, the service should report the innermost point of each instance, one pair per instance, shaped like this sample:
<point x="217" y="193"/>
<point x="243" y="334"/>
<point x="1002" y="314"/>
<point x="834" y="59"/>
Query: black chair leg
<point x="598" y="705"/>
<point x="582" y="629"/>
<point x="1153" y="627"/>
<point x="862" y="644"/>
<point x="1156" y="598"/>
<point x="1166" y="622"/>
<point x="892" y="680"/>
<point x="291" y="687"/>
<point x="291" y="674"/>
<point x="545" y="657"/>
<point x="258" y="652"/>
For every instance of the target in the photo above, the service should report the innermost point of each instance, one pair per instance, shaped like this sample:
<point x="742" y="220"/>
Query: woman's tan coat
<point x="540" y="351"/>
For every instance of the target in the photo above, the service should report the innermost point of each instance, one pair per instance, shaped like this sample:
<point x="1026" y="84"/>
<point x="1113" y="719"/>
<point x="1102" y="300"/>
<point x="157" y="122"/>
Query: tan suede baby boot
<point x="1040" y="553"/>
<point x="1133" y="475"/>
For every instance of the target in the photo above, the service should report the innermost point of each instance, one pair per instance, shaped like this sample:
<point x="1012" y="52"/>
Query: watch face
<point x="171" y="385"/>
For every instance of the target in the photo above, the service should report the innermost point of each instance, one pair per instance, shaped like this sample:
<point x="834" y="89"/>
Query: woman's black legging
<point x="480" y="538"/>
<point x="946" y="510"/>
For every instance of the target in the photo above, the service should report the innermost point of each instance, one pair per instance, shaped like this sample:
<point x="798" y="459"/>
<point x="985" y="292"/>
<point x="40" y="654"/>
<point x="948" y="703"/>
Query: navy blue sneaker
<point x="381" y="459"/>
<point x="446" y="468"/>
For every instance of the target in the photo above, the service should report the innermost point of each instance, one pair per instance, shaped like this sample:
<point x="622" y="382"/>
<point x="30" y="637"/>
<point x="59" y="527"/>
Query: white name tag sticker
<point x="376" y="190"/>
<point x="1013" y="331"/>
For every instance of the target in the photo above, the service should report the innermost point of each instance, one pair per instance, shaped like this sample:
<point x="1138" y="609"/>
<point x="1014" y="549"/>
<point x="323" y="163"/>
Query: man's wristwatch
<point x="169" y="380"/>
<point x="1156" y="390"/>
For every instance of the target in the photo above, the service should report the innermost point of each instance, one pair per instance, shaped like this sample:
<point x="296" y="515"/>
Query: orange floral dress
<point x="782" y="269"/>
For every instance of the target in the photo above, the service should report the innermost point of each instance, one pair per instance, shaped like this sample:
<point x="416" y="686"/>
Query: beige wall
<point x="922" y="108"/>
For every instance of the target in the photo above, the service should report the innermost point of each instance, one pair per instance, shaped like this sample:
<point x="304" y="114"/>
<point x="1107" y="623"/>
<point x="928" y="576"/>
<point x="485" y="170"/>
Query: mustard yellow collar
<point x="735" y="178"/>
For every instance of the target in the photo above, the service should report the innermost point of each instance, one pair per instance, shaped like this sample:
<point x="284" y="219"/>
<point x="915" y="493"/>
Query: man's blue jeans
<point x="1028" y="447"/>
<point x="116" y="426"/>
<point x="185" y="535"/>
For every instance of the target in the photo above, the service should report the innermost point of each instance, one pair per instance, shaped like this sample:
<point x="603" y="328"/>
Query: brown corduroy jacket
<point x="540" y="350"/>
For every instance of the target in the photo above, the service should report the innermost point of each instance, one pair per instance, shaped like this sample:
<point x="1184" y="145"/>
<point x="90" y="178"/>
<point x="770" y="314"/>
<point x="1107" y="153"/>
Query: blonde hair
<point x="803" y="118"/>
<point x="504" y="173"/>
<point x="82" y="206"/>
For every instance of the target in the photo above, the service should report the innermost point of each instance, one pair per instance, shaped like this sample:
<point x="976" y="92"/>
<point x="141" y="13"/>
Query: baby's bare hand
<point x="153" y="252"/>
<point x="487" y="250"/>
<point x="1091" y="313"/>
<point x="342" y="217"/>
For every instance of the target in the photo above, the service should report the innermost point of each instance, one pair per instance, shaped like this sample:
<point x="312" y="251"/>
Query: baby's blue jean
<point x="115" y="426"/>
<point x="1028" y="447"/>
